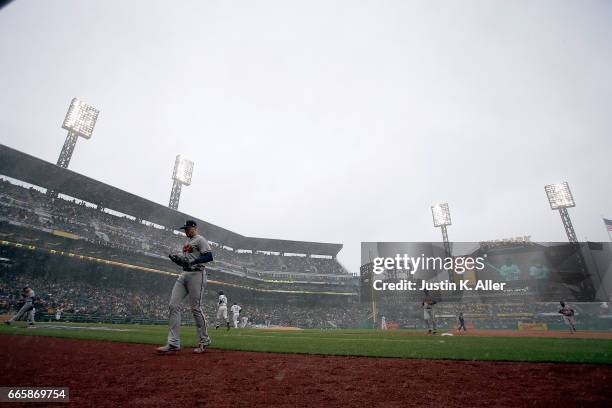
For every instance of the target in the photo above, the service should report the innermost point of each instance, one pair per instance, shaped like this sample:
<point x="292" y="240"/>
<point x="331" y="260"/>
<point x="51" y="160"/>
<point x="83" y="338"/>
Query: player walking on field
<point x="235" y="309"/>
<point x="429" y="314"/>
<point x="568" y="317"/>
<point x="383" y="323"/>
<point x="460" y="322"/>
<point x="222" y="310"/>
<point x="28" y="295"/>
<point x="196" y="252"/>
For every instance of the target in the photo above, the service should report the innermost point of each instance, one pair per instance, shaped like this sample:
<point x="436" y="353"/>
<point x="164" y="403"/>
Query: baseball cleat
<point x="7" y="322"/>
<point x="202" y="347"/>
<point x="167" y="349"/>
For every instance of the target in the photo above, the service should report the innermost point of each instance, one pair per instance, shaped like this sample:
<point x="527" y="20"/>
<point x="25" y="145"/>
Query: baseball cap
<point x="189" y="224"/>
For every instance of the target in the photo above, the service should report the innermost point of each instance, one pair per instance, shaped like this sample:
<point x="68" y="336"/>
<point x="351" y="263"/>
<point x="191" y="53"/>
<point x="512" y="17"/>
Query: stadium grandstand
<point x="98" y="253"/>
<point x="89" y="235"/>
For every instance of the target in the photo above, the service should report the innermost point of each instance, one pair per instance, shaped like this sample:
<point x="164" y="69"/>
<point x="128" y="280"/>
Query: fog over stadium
<point x="327" y="122"/>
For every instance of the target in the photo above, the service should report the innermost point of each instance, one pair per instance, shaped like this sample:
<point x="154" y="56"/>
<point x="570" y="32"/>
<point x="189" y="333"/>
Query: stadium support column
<point x="447" y="250"/>
<point x="573" y="239"/>
<point x="567" y="223"/>
<point x="175" y="195"/>
<point x="367" y="293"/>
<point x="67" y="150"/>
<point x="374" y="311"/>
<point x="65" y="155"/>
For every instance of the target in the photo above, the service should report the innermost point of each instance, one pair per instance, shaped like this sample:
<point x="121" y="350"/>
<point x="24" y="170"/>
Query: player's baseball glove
<point x="179" y="260"/>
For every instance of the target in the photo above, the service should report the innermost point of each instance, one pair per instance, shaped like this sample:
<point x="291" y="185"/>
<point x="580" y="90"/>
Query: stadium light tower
<point x="441" y="218"/>
<point x="80" y="120"/>
<point x="183" y="169"/>
<point x="560" y="198"/>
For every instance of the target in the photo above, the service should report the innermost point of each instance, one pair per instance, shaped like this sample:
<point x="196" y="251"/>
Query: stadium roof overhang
<point x="32" y="170"/>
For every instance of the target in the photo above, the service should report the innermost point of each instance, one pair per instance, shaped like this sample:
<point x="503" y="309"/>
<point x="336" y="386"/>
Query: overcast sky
<point x="327" y="121"/>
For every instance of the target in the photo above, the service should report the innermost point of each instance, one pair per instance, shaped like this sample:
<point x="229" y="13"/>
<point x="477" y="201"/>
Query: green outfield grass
<point x="368" y="343"/>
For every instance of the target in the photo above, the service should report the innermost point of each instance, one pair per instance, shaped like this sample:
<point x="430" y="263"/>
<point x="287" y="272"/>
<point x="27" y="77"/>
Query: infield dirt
<point x="534" y="333"/>
<point x="107" y="374"/>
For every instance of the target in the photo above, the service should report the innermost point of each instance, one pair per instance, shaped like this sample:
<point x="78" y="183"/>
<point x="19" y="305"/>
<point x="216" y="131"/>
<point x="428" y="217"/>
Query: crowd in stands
<point x="78" y="297"/>
<point x="149" y="303"/>
<point x="34" y="208"/>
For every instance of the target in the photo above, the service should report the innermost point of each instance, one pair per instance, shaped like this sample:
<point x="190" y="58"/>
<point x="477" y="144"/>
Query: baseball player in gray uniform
<point x="222" y="310"/>
<point x="235" y="309"/>
<point x="429" y="314"/>
<point x="27" y="295"/>
<point x="568" y="317"/>
<point x="196" y="252"/>
<point x="461" y="322"/>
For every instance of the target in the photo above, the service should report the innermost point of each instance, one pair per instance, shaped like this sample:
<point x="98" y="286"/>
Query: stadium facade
<point x="88" y="230"/>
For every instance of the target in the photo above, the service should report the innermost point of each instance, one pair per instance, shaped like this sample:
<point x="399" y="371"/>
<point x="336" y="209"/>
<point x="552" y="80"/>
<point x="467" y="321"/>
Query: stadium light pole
<point x="560" y="198"/>
<point x="80" y="121"/>
<point x="441" y="218"/>
<point x="183" y="170"/>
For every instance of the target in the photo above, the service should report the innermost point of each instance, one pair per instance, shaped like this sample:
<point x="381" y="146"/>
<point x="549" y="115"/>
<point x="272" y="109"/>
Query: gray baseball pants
<point x="28" y="308"/>
<point x="430" y="319"/>
<point x="191" y="285"/>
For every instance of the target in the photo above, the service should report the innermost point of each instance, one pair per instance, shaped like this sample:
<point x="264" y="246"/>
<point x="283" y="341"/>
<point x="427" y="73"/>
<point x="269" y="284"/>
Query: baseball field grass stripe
<point x="368" y="343"/>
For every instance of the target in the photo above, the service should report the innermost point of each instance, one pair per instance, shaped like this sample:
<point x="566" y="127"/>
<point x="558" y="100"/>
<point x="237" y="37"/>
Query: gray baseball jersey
<point x="195" y="247"/>
<point x="29" y="297"/>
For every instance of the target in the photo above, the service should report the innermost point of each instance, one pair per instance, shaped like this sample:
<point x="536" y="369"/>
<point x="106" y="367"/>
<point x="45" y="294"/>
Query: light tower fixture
<point x="441" y="218"/>
<point x="560" y="198"/>
<point x="183" y="170"/>
<point x="80" y="121"/>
